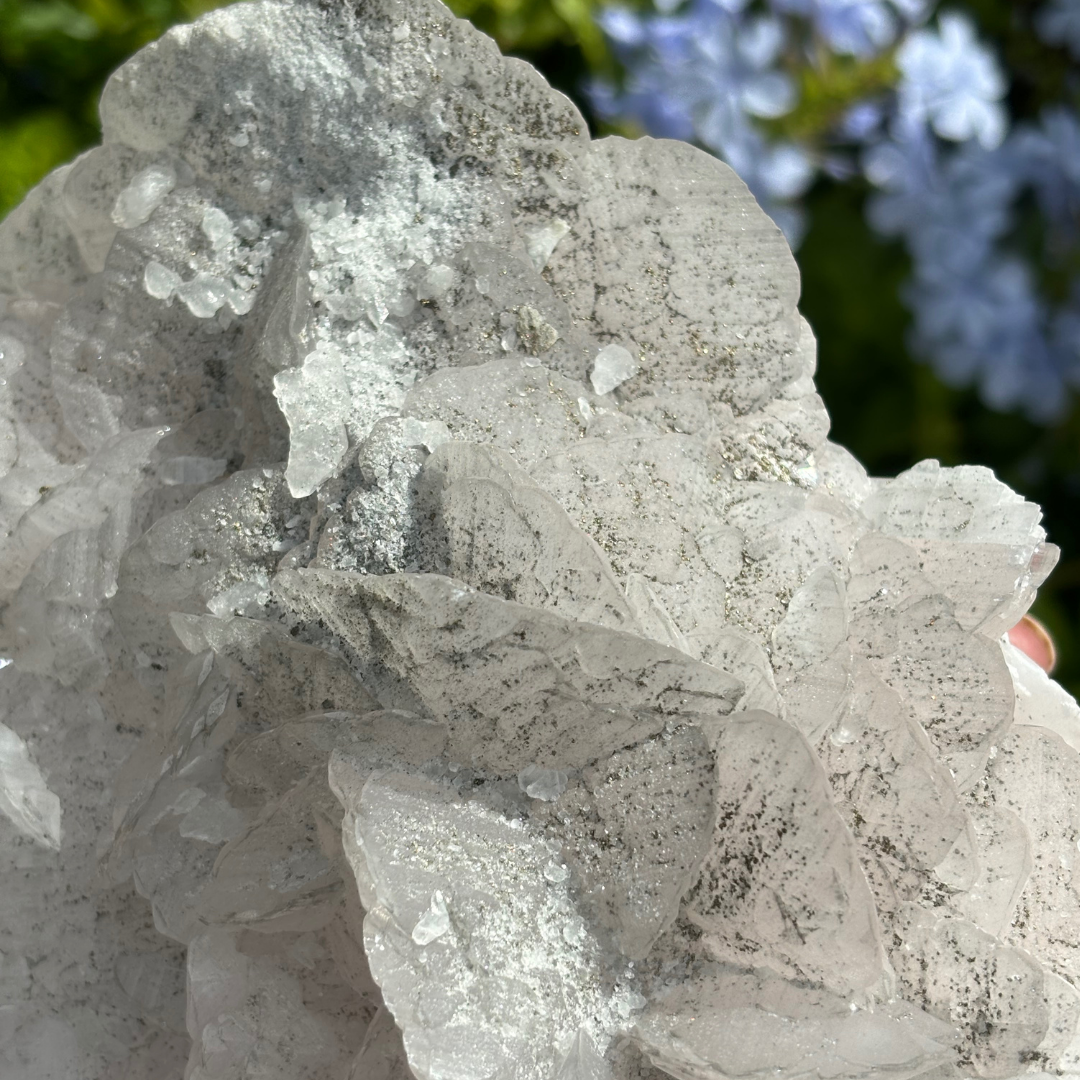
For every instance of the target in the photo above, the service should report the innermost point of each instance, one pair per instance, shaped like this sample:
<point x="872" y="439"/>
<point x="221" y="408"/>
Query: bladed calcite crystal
<point x="442" y="641"/>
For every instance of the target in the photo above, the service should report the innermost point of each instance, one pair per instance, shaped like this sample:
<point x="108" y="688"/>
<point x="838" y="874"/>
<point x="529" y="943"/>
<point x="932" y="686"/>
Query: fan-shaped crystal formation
<point x="429" y="585"/>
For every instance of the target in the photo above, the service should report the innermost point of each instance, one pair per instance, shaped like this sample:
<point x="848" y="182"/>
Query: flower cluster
<point x="953" y="175"/>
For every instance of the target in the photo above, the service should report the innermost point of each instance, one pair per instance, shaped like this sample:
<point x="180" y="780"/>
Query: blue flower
<point x="951" y="82"/>
<point x="958" y="202"/>
<point x="1048" y="158"/>
<point x="708" y="67"/>
<point x="854" y="27"/>
<point x="862" y="123"/>
<point x="989" y="327"/>
<point x="978" y="314"/>
<point x="625" y="29"/>
<point x="1059" y="24"/>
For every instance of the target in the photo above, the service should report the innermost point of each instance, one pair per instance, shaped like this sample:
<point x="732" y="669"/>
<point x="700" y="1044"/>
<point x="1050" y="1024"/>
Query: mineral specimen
<point x="443" y="641"/>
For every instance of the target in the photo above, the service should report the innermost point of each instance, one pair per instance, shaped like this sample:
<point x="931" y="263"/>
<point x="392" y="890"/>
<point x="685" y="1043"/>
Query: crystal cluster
<point x="442" y="640"/>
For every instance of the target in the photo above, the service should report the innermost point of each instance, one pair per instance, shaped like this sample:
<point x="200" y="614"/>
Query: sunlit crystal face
<point x="432" y="595"/>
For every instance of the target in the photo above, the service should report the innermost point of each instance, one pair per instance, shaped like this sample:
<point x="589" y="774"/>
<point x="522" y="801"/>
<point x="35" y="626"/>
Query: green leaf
<point x="29" y="148"/>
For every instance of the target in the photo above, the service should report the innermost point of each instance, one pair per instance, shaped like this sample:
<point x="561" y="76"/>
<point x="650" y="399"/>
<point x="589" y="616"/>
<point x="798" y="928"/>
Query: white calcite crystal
<point x="442" y="641"/>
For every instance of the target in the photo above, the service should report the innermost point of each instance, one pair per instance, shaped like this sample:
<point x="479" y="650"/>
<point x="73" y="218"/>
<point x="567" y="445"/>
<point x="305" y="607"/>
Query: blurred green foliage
<point x="54" y="58"/>
<point x="532" y="27"/>
<point x="827" y="88"/>
<point x="890" y="410"/>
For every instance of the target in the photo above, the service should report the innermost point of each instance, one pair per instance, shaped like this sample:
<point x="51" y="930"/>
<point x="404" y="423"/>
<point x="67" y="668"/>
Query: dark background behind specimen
<point x="888" y="408"/>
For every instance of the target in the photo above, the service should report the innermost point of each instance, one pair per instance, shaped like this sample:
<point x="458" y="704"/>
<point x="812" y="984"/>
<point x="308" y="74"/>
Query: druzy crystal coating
<point x="444" y="642"/>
